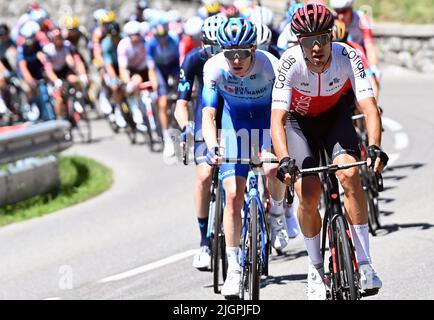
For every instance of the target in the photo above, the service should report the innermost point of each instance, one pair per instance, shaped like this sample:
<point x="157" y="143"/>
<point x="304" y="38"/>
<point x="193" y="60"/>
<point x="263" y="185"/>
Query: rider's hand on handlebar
<point x="377" y="158"/>
<point x="186" y="131"/>
<point x="287" y="171"/>
<point x="213" y="156"/>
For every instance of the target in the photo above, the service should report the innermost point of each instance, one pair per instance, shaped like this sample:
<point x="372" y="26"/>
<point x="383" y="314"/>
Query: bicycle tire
<point x="255" y="256"/>
<point x="217" y="252"/>
<point x="346" y="278"/>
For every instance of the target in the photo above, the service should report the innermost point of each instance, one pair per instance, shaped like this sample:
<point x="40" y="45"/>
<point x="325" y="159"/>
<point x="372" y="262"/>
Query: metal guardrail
<point x="31" y="176"/>
<point x="41" y="138"/>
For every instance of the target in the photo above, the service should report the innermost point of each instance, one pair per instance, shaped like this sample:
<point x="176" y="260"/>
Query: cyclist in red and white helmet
<point x="316" y="82"/>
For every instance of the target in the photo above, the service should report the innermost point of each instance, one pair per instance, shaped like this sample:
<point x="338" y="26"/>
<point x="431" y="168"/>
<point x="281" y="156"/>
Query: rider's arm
<point x="185" y="87"/>
<point x="280" y="107"/>
<point x="150" y="62"/>
<point x="371" y="112"/>
<point x="368" y="40"/>
<point x="22" y="65"/>
<point x="124" y="73"/>
<point x="210" y="103"/>
<point x="278" y="134"/>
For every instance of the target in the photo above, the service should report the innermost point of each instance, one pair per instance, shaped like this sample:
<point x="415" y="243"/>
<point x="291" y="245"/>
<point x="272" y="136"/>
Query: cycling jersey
<point x="247" y="106"/>
<point x="360" y="30"/>
<point x="132" y="56"/>
<point x="56" y="59"/>
<point x="4" y="47"/>
<point x="164" y="56"/>
<point x="29" y="55"/>
<point x="301" y="91"/>
<point x="109" y="52"/>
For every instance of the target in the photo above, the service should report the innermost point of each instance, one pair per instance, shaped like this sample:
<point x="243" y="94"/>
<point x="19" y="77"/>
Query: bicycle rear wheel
<point x="345" y="275"/>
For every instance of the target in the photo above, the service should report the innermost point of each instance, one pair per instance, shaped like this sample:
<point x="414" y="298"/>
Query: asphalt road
<point x="136" y="241"/>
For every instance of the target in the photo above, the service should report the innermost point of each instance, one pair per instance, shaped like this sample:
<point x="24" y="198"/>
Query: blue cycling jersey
<point x="166" y="56"/>
<point x="247" y="106"/>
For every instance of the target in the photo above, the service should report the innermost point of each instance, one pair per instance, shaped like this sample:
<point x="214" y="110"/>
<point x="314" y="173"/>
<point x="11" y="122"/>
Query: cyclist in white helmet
<point x="191" y="70"/>
<point x="192" y="36"/>
<point x="264" y="15"/>
<point x="359" y="31"/>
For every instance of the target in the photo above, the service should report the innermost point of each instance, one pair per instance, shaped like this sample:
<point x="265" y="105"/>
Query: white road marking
<point x="401" y="141"/>
<point x="391" y="124"/>
<point x="392" y="158"/>
<point x="53" y="298"/>
<point x="149" y="267"/>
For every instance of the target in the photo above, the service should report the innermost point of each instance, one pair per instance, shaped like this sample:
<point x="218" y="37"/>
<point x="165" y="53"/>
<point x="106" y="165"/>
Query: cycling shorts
<point x="237" y="138"/>
<point x="333" y="129"/>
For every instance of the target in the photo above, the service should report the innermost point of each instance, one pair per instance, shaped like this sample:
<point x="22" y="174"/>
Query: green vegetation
<point x="81" y="178"/>
<point x="406" y="11"/>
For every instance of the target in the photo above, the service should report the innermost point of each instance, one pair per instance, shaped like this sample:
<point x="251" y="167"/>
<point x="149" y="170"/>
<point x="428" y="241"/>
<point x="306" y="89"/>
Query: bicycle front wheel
<point x="255" y="253"/>
<point x="345" y="275"/>
<point x="218" y="242"/>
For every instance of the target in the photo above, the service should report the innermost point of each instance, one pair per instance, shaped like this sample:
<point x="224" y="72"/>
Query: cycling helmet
<point x="312" y="18"/>
<point x="39" y="15"/>
<point x="132" y="28"/>
<point x="339" y="31"/>
<point x="141" y="5"/>
<point x="210" y="28"/>
<point x="107" y="17"/>
<point x="33" y="6"/>
<point x="262" y="15"/>
<point x="263" y="34"/>
<point x="160" y="27"/>
<point x="340" y="4"/>
<point x="230" y="11"/>
<point x="211" y="6"/>
<point x="236" y="32"/>
<point x="97" y="14"/>
<point x="4" y="29"/>
<point x="291" y="10"/>
<point x="30" y="29"/>
<point x="71" y="22"/>
<point x="193" y="26"/>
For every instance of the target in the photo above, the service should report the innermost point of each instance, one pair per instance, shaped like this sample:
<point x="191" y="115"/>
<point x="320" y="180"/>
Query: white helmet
<point x="262" y="15"/>
<point x="30" y="29"/>
<point x="98" y="13"/>
<point x="193" y="26"/>
<point x="340" y="4"/>
<point x="210" y="27"/>
<point x="263" y="34"/>
<point x="131" y="28"/>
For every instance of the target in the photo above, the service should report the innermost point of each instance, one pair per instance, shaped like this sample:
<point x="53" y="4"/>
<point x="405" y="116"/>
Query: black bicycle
<point x="372" y="182"/>
<point x="343" y="266"/>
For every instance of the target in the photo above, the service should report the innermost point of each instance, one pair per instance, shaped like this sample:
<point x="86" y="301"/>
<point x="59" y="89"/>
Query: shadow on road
<point x="405" y="166"/>
<point x="388" y="229"/>
<point x="281" y="280"/>
<point x="288" y="256"/>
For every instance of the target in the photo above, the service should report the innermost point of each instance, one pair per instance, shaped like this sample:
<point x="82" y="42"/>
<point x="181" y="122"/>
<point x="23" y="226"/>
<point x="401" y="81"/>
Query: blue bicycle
<point x="255" y="239"/>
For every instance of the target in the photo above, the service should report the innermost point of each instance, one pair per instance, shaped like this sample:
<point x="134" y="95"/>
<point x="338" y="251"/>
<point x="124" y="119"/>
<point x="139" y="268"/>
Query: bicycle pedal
<point x="370" y="292"/>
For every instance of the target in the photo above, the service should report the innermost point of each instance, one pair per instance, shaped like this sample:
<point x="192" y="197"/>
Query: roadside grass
<point x="405" y="11"/>
<point x="81" y="179"/>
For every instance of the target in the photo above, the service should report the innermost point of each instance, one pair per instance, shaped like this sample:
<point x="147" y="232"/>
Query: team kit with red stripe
<point x="318" y="103"/>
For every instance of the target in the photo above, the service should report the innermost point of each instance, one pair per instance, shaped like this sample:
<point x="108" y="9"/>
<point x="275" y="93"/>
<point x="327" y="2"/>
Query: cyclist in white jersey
<point x="244" y="77"/>
<point x="310" y="99"/>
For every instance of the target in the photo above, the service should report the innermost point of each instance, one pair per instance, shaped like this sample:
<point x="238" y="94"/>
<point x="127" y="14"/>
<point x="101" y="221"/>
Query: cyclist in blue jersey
<point x="163" y="53"/>
<point x="192" y="69"/>
<point x="244" y="77"/>
<point x="30" y="68"/>
<point x="7" y="55"/>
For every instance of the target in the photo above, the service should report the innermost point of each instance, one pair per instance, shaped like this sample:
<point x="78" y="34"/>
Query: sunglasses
<point x="232" y="54"/>
<point x="320" y="39"/>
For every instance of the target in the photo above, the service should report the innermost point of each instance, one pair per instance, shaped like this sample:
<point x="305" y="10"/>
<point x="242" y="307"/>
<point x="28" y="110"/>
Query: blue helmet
<point x="291" y="10"/>
<point x="236" y="32"/>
